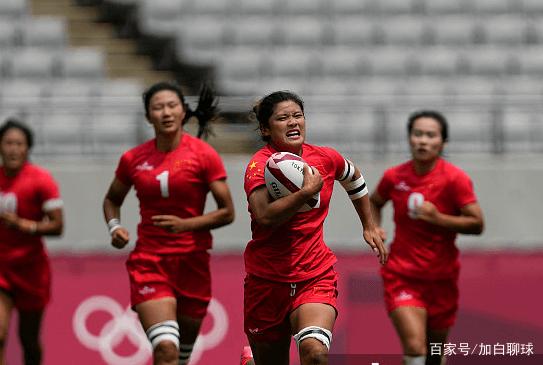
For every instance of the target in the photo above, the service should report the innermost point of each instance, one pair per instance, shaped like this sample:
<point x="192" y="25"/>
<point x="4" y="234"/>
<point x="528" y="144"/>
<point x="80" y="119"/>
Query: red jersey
<point x="29" y="194"/>
<point x="171" y="183"/>
<point x="296" y="250"/>
<point x="420" y="249"/>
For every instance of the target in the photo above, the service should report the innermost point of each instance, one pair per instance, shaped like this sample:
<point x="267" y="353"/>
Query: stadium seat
<point x="438" y="61"/>
<point x="21" y="94"/>
<point x="519" y="128"/>
<point x="254" y="31"/>
<point x="470" y="130"/>
<point x="112" y="92"/>
<point x="388" y="7"/>
<point x="115" y="132"/>
<point x="200" y="33"/>
<point x="472" y="87"/>
<point x="505" y="29"/>
<point x="491" y="61"/>
<point x="8" y="35"/>
<point x="331" y="86"/>
<point x="530" y="60"/>
<point x="65" y="131"/>
<point x="403" y="30"/>
<point x="532" y="7"/>
<point x="258" y="7"/>
<point x="270" y="84"/>
<point x="381" y="90"/>
<point x="343" y="63"/>
<point x="70" y="93"/>
<point x="10" y="9"/>
<point x="351" y="7"/>
<point x="159" y="17"/>
<point x="301" y="31"/>
<point x="303" y="7"/>
<point x="453" y="30"/>
<point x="441" y="7"/>
<point x="219" y="8"/>
<point x="237" y="69"/>
<point x="293" y="62"/>
<point x="32" y="63"/>
<point x="492" y="6"/>
<point x="425" y="89"/>
<point x="355" y="31"/>
<point x="44" y="31"/>
<point x="535" y="30"/>
<point x="82" y="63"/>
<point x="391" y="61"/>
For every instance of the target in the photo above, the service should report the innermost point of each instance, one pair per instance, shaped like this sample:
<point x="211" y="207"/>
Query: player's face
<point x="166" y="112"/>
<point x="286" y="127"/>
<point x="14" y="149"/>
<point x="425" y="139"/>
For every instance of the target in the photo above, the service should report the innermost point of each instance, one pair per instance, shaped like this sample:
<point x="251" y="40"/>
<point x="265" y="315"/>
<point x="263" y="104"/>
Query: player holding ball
<point x="291" y="285"/>
<point x="433" y="201"/>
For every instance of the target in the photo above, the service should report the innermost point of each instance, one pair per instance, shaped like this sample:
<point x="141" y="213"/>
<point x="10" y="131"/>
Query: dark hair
<point x="264" y="108"/>
<point x="17" y="124"/>
<point x="437" y="116"/>
<point x="205" y="111"/>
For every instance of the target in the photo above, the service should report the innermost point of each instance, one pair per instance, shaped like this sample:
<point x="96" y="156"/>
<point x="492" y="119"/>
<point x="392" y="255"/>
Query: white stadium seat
<point x="10" y="9"/>
<point x="44" y="31"/>
<point x="30" y="63"/>
<point x="82" y="63"/>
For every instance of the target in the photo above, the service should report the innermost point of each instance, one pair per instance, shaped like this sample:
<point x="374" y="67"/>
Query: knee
<point x="165" y="353"/>
<point x="313" y="352"/>
<point x="415" y="346"/>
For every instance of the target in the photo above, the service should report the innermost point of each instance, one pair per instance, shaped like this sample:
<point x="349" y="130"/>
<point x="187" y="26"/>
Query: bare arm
<point x="112" y="209"/>
<point x="470" y="220"/>
<point x="223" y="215"/>
<point x="51" y="225"/>
<point x="377" y="203"/>
<point x="273" y="213"/>
<point x="371" y="232"/>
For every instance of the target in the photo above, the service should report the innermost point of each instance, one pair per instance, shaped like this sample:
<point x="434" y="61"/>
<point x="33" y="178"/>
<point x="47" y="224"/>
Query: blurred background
<point x="74" y="70"/>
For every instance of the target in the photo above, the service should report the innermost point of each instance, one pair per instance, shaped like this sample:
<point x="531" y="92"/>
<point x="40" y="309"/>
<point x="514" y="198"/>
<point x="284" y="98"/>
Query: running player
<point x="433" y="200"/>
<point x="30" y="207"/>
<point x="291" y="284"/>
<point x="170" y="282"/>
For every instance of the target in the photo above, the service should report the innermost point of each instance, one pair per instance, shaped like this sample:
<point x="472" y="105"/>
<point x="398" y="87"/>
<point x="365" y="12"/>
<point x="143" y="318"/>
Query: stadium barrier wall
<point x="89" y="321"/>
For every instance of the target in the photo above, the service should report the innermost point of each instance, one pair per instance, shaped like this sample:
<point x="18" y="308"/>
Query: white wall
<point x="509" y="189"/>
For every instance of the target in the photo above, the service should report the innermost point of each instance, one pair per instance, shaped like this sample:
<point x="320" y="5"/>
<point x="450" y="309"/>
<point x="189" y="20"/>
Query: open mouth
<point x="294" y="133"/>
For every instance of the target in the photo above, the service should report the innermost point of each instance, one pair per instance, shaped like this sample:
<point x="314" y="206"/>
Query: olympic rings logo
<point x="124" y="323"/>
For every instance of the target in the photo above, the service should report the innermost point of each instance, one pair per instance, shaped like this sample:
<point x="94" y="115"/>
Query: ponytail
<point x="205" y="111"/>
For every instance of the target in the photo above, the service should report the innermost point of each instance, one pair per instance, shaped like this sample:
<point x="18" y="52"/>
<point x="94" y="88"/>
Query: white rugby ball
<point x="284" y="175"/>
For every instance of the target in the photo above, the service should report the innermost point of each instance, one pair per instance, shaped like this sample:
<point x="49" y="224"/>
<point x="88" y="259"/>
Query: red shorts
<point x="27" y="282"/>
<point x="185" y="277"/>
<point x="438" y="297"/>
<point x="267" y="304"/>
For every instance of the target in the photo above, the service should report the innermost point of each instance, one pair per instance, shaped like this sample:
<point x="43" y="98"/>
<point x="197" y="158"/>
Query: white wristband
<point x="113" y="225"/>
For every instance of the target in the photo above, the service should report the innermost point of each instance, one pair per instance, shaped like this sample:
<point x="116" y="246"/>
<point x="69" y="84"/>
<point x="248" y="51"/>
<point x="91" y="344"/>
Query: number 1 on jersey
<point x="163" y="179"/>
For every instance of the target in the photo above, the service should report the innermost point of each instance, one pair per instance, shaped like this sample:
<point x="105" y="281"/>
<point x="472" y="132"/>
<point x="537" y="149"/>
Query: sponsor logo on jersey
<point x="403" y="296"/>
<point x="146" y="290"/>
<point x="144" y="167"/>
<point x="402" y="186"/>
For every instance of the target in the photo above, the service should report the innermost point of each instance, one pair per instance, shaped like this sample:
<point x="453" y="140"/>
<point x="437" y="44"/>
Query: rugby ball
<point x="284" y="175"/>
